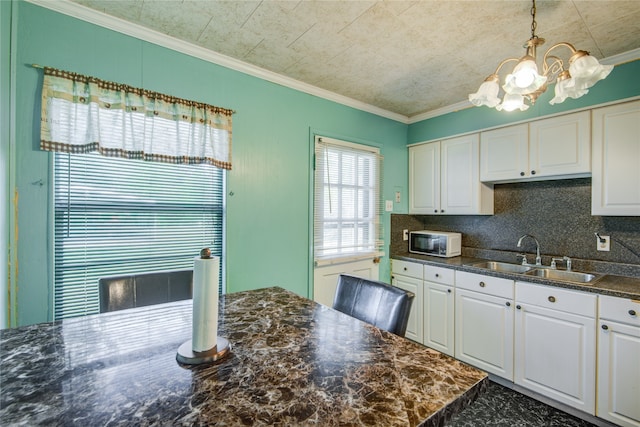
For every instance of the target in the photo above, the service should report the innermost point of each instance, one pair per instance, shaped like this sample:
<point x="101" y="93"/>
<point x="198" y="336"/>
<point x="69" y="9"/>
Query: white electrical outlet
<point x="397" y="197"/>
<point x="603" y="245"/>
<point x="389" y="205"/>
<point x="405" y="234"/>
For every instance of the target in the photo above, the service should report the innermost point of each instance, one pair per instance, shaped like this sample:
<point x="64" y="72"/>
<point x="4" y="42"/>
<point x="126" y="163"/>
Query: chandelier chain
<point x="534" y="24"/>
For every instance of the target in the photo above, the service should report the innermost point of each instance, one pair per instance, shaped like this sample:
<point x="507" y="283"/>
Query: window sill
<point x="343" y="259"/>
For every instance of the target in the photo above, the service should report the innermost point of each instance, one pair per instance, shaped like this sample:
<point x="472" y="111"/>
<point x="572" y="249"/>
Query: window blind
<point x="348" y="179"/>
<point x="118" y="216"/>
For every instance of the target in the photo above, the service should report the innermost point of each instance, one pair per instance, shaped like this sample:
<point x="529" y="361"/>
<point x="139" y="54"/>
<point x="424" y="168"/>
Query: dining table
<point x="291" y="361"/>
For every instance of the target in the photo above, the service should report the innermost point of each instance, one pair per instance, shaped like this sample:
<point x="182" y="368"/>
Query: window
<point x="347" y="199"/>
<point x="145" y="217"/>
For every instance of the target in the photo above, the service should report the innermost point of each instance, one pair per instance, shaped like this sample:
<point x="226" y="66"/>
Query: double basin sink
<point x="539" y="271"/>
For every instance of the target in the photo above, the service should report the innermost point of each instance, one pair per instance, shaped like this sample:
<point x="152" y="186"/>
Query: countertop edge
<point x="608" y="284"/>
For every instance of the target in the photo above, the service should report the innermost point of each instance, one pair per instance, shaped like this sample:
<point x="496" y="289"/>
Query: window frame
<point x="375" y="242"/>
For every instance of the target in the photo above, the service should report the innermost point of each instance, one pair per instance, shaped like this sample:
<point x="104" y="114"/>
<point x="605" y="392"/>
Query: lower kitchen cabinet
<point x="619" y="361"/>
<point x="438" y="309"/>
<point x="408" y="276"/>
<point x="555" y="344"/>
<point x="484" y="322"/>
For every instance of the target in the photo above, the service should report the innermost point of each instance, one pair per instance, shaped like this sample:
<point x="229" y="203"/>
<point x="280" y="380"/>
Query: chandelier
<point x="524" y="83"/>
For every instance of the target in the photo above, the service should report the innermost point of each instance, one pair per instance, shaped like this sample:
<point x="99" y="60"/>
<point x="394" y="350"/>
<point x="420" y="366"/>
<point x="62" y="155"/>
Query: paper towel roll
<point x="205" y="303"/>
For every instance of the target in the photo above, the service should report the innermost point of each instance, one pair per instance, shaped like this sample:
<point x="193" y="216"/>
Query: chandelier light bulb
<point x="512" y="102"/>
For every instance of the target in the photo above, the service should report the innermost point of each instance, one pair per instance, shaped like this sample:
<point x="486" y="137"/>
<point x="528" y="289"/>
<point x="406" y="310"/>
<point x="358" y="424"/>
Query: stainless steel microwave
<point x="436" y="243"/>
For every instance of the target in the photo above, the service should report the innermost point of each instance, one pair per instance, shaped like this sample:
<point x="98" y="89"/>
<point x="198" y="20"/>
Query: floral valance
<point x="82" y="114"/>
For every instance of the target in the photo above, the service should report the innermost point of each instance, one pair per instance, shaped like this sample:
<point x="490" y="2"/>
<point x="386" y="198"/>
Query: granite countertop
<point x="607" y="284"/>
<point x="292" y="362"/>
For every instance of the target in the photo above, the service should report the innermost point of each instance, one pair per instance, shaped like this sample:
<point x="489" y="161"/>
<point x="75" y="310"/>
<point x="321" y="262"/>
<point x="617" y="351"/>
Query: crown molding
<point x="119" y="25"/>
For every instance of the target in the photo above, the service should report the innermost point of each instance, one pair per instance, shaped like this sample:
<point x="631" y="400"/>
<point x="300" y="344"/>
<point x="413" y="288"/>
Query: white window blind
<point x="347" y="208"/>
<point x="118" y="216"/>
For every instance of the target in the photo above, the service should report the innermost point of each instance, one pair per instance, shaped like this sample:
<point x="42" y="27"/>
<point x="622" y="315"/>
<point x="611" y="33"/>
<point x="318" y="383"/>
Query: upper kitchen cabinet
<point x="616" y="160"/>
<point x="444" y="178"/>
<point x="558" y="147"/>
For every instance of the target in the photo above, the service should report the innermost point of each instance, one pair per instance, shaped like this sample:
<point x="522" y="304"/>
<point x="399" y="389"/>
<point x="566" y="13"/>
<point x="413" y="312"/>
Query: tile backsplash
<point x="557" y="213"/>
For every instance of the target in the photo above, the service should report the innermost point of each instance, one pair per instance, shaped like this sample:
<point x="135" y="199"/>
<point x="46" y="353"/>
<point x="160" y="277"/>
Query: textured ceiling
<point x="406" y="57"/>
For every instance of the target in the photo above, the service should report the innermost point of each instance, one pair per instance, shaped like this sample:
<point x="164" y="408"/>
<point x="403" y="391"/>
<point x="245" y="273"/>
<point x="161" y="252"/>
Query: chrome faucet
<point x="538" y="257"/>
<point x="566" y="259"/>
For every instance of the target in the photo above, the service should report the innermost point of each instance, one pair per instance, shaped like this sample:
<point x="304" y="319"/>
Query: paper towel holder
<point x="186" y="355"/>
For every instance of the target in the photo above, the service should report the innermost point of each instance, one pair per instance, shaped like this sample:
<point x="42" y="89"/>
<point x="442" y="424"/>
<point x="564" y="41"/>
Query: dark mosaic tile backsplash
<point x="557" y="213"/>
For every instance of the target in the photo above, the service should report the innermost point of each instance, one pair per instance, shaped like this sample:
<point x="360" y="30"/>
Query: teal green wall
<point x="268" y="215"/>
<point x="623" y="82"/>
<point x="5" y="108"/>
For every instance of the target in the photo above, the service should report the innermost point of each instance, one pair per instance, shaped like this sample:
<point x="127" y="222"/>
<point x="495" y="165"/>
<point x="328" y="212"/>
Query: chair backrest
<point x="377" y="303"/>
<point x="119" y="293"/>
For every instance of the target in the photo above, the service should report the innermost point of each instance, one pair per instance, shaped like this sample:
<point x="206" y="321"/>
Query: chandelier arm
<point x="565" y="44"/>
<point x="552" y="69"/>
<point x="506" y="61"/>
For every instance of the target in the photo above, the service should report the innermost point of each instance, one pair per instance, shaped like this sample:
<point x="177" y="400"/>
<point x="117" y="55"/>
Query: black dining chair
<point x="374" y="302"/>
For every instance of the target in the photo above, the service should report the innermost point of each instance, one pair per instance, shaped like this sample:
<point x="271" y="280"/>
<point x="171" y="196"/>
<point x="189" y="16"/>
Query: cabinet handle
<point x="449" y="290"/>
<point x="442" y="210"/>
<point x="533" y="172"/>
<point x="552" y="299"/>
<point x="405" y="269"/>
<point x="632" y="312"/>
<point x="605" y="327"/>
<point x="519" y="307"/>
<point x="521" y="173"/>
<point x="482" y="285"/>
<point x="437" y="275"/>
<point x="435" y="210"/>
<point x="508" y="304"/>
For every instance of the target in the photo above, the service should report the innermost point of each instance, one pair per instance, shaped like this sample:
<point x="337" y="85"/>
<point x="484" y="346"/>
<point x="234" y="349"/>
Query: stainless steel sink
<point x="563" y="275"/>
<point x="504" y="267"/>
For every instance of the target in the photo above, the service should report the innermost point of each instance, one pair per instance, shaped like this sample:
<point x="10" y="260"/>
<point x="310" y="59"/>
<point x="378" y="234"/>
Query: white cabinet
<point x="504" y="153"/>
<point x="439" y="309"/>
<point x="444" y="178"/>
<point x="616" y="160"/>
<point x="408" y="276"/>
<point x="424" y="178"/>
<point x="555" y="344"/>
<point x="619" y="361"/>
<point x="542" y="149"/>
<point x="484" y="322"/>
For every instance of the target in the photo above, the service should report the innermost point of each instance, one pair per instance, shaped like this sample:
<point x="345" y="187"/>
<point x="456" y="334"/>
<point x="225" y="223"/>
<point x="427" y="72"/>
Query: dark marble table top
<point x="292" y="362"/>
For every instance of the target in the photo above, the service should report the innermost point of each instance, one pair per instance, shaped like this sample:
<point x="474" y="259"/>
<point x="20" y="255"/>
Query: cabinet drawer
<point x="485" y="284"/>
<point x="620" y="309"/>
<point x="557" y="299"/>
<point x="445" y="276"/>
<point x="406" y="268"/>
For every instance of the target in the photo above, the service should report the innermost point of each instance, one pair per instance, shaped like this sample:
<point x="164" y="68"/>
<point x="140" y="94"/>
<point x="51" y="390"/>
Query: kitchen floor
<point x="503" y="407"/>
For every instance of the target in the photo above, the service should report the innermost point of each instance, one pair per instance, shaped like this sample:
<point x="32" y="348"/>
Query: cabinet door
<point x="504" y="154"/>
<point x="484" y="332"/>
<point x="414" y="326"/>
<point x="438" y="317"/>
<point x="424" y="178"/>
<point x="461" y="191"/>
<point x="560" y="146"/>
<point x="619" y="373"/>
<point x="615" y="188"/>
<point x="555" y="355"/>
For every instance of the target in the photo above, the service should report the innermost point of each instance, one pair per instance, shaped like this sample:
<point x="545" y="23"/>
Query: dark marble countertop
<point x="292" y="362"/>
<point x="607" y="284"/>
